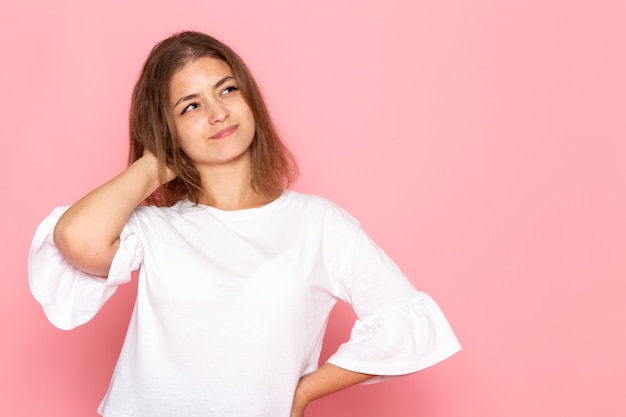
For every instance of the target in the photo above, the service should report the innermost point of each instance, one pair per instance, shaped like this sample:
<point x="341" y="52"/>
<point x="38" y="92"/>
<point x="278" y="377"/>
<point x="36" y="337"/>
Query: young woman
<point x="237" y="274"/>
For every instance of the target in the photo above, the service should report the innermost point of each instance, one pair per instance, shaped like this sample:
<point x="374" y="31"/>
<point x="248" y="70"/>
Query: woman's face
<point x="213" y="123"/>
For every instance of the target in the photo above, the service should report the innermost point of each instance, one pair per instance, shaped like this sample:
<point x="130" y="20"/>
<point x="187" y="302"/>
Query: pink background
<point x="482" y="144"/>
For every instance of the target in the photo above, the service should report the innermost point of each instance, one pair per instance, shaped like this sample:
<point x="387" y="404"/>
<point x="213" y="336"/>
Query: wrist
<point x="143" y="173"/>
<point x="151" y="165"/>
<point x="300" y="400"/>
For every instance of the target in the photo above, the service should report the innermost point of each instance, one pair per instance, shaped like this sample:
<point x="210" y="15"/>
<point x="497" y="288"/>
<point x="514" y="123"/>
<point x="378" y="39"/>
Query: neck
<point x="229" y="187"/>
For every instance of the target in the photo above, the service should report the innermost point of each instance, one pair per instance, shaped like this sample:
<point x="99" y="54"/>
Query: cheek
<point x="186" y="131"/>
<point x="182" y="138"/>
<point x="243" y="110"/>
<point x="251" y="121"/>
<point x="252" y="128"/>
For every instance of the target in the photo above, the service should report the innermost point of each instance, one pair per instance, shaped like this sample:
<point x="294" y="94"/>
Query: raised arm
<point x="88" y="232"/>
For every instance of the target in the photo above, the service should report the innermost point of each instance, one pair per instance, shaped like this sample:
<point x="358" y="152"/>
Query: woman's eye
<point x="190" y="107"/>
<point x="230" y="89"/>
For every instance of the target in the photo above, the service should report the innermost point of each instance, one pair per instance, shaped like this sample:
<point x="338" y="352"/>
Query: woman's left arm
<point x="324" y="381"/>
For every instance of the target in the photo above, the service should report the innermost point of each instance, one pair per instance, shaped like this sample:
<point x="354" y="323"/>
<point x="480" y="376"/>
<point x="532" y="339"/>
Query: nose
<point x="218" y="113"/>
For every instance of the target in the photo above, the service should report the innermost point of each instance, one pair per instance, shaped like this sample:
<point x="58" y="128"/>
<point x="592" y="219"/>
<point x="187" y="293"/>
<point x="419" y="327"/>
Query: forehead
<point x="200" y="72"/>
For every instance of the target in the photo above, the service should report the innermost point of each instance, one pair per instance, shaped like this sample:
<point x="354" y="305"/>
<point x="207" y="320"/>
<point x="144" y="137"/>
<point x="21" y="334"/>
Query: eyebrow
<point x="216" y="86"/>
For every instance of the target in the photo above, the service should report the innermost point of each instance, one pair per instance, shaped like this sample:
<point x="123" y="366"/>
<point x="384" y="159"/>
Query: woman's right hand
<point x="152" y="159"/>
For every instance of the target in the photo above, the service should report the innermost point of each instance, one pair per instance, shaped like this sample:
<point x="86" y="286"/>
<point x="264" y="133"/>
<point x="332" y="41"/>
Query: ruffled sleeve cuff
<point x="401" y="341"/>
<point x="69" y="296"/>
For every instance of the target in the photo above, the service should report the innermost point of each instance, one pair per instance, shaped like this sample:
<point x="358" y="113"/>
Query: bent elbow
<point x="82" y="251"/>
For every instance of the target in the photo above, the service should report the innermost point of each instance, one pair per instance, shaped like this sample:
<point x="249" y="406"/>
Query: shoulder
<point x="315" y="205"/>
<point x="296" y="198"/>
<point x="310" y="201"/>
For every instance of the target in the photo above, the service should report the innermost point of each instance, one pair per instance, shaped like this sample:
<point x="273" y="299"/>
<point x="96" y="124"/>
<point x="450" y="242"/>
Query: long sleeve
<point x="399" y="330"/>
<point x="69" y="296"/>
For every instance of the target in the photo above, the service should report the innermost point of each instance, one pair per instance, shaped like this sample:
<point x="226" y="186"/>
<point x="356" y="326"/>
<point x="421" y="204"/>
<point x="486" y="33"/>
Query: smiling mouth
<point x="225" y="132"/>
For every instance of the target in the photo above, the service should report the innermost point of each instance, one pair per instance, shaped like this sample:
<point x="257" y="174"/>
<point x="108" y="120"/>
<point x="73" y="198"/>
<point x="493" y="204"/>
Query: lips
<point x="225" y="132"/>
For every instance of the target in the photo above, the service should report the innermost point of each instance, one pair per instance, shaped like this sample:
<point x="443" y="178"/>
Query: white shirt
<point x="232" y="306"/>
